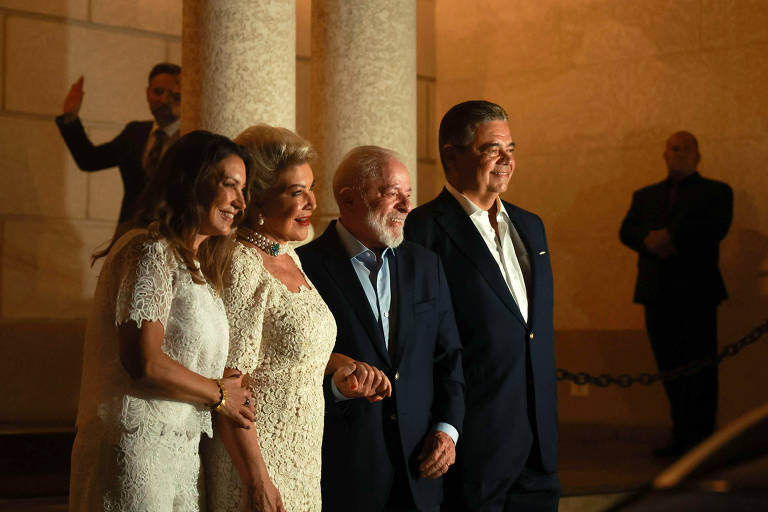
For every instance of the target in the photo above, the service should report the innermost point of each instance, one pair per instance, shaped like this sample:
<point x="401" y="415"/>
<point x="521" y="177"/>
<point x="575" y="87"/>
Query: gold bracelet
<point x="222" y="396"/>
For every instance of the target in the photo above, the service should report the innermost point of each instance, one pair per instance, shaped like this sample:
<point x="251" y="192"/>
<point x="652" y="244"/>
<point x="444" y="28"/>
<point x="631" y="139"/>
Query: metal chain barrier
<point x="626" y="380"/>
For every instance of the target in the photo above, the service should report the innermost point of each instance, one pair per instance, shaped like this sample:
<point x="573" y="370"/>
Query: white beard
<point x="383" y="234"/>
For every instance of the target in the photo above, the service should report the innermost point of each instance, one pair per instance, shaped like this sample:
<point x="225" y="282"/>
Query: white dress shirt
<point x="500" y="245"/>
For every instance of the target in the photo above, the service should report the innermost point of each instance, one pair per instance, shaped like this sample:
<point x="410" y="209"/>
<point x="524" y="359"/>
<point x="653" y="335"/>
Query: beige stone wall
<point x="593" y="89"/>
<point x="52" y="215"/>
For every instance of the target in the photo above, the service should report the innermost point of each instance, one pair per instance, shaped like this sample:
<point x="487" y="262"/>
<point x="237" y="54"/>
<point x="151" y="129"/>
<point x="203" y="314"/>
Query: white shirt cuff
<point x="338" y="395"/>
<point x="448" y="429"/>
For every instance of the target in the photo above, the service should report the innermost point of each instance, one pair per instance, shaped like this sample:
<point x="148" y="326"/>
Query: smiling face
<point x="164" y="98"/>
<point x="482" y="170"/>
<point x="227" y="199"/>
<point x="377" y="214"/>
<point x="287" y="206"/>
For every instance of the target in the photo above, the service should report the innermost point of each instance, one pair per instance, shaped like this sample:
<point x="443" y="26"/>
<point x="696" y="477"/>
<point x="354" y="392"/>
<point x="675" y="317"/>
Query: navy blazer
<point x="428" y="386"/>
<point x="126" y="151"/>
<point x="697" y="221"/>
<point x="500" y="418"/>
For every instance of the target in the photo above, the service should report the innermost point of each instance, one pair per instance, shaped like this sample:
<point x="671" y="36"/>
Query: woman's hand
<point x="262" y="498"/>
<point x="238" y="407"/>
<point x="336" y="361"/>
<point x="361" y="380"/>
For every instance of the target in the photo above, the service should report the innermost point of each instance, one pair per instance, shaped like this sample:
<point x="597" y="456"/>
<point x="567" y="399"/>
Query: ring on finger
<point x="247" y="401"/>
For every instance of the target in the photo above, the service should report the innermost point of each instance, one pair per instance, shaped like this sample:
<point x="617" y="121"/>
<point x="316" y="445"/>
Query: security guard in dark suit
<point x="676" y="227"/>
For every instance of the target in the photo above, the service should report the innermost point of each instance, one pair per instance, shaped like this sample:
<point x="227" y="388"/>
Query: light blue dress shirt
<point x="370" y="269"/>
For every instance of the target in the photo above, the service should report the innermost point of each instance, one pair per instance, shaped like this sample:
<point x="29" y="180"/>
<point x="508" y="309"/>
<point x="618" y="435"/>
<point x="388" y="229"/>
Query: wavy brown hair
<point x="179" y="194"/>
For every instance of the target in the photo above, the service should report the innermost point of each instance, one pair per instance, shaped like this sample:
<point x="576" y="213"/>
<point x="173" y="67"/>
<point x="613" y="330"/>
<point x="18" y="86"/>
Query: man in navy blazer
<point x="393" y="311"/>
<point x="138" y="148"/>
<point x="497" y="264"/>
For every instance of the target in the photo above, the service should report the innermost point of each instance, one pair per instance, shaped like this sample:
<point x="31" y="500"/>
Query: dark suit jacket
<point x="126" y="151"/>
<point x="500" y="421"/>
<point x="428" y="386"/>
<point x="698" y="220"/>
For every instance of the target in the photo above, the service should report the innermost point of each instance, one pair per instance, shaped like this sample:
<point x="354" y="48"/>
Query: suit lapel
<point x="526" y="235"/>
<point x="336" y="262"/>
<point x="405" y="275"/>
<point x="458" y="226"/>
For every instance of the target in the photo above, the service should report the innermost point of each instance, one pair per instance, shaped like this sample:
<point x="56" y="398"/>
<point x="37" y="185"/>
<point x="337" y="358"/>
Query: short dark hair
<point x="164" y="68"/>
<point x="457" y="127"/>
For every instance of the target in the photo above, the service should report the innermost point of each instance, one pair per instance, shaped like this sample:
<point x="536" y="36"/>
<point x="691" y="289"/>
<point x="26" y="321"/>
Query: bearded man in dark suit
<point x="676" y="227"/>
<point x="393" y="312"/>
<point x="497" y="264"/>
<point x="138" y="148"/>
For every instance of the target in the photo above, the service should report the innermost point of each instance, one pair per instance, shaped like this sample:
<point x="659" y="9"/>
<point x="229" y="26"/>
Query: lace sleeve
<point x="245" y="300"/>
<point x="145" y="291"/>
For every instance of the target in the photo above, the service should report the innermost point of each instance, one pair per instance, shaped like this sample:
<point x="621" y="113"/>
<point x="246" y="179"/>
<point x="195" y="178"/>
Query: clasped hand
<point x="361" y="380"/>
<point x="659" y="242"/>
<point x="237" y="395"/>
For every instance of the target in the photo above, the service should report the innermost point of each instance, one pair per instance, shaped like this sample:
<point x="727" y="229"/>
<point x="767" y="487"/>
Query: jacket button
<point x="393" y="417"/>
<point x="530" y="336"/>
<point x="397" y="375"/>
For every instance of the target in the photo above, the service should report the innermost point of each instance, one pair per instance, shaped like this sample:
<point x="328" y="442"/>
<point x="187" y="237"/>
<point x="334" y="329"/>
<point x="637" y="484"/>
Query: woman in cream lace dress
<point x="281" y="337"/>
<point x="157" y="339"/>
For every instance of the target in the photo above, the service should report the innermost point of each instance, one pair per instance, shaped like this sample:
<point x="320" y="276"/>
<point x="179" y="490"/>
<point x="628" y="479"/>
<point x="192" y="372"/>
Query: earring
<point x="260" y="220"/>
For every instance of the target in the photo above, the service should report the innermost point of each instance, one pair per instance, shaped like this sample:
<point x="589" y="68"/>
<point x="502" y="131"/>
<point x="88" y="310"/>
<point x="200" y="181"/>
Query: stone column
<point x="363" y="76"/>
<point x="239" y="64"/>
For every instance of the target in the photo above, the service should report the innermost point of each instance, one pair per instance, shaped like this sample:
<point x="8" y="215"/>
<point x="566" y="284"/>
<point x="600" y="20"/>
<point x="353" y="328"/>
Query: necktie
<point x="672" y="188"/>
<point x="155" y="152"/>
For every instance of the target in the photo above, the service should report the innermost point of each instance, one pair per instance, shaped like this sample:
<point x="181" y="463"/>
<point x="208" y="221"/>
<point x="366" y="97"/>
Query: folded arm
<point x="142" y="357"/>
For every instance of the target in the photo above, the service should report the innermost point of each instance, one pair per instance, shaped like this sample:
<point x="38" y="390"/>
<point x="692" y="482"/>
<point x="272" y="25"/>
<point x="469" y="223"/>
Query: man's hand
<point x="361" y="380"/>
<point x="437" y="455"/>
<point x="659" y="242"/>
<point x="71" y="106"/>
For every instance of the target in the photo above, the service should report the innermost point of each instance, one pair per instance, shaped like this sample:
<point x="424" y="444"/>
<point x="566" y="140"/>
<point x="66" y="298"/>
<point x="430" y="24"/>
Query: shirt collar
<point x="170" y="130"/>
<point x="690" y="177"/>
<point x="353" y="246"/>
<point x="471" y="208"/>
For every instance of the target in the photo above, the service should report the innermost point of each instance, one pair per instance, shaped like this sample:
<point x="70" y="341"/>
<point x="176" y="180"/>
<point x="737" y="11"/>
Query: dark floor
<point x="596" y="463"/>
<point x="604" y="459"/>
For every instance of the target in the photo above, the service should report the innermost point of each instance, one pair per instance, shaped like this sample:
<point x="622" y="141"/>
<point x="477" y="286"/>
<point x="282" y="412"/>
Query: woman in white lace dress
<point x="157" y="339"/>
<point x="281" y="337"/>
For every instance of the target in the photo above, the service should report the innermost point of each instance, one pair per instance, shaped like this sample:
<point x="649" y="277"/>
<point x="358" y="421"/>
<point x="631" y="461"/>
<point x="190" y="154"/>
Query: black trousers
<point x="681" y="333"/>
<point x="531" y="491"/>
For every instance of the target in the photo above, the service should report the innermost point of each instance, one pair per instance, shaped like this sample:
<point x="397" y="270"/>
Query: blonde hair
<point x="272" y="150"/>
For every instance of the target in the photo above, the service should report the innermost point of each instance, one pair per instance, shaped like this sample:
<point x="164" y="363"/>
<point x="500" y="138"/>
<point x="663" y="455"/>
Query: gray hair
<point x="273" y="150"/>
<point x="361" y="164"/>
